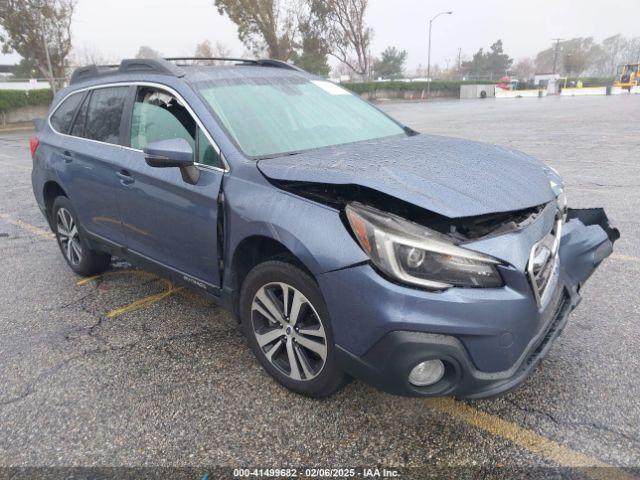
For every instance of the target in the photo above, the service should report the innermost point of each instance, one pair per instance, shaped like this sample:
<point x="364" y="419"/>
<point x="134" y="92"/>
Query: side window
<point x="207" y="155"/>
<point x="158" y="115"/>
<point x="77" y="130"/>
<point x="105" y="114"/>
<point x="63" y="116"/>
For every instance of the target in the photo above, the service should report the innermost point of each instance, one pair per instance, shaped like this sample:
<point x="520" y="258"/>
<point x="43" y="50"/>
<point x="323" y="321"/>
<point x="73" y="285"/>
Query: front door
<point x="164" y="218"/>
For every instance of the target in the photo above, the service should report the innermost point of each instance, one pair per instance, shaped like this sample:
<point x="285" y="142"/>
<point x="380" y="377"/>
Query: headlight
<point x="561" y="197"/>
<point x="417" y="255"/>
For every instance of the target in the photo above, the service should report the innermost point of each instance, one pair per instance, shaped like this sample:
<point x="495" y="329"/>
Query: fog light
<point x="426" y="373"/>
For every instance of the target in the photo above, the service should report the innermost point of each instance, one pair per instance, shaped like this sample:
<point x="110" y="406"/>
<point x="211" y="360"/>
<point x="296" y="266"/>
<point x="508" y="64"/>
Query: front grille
<point x="543" y="260"/>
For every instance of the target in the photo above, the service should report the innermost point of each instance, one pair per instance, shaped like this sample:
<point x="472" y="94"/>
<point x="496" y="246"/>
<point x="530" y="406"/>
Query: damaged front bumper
<point x="489" y="340"/>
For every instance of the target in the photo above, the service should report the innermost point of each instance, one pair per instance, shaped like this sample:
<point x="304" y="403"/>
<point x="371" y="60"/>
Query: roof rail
<point x="166" y="66"/>
<point x="217" y="59"/>
<point x="159" y="65"/>
<point x="269" y="62"/>
<point x="266" y="62"/>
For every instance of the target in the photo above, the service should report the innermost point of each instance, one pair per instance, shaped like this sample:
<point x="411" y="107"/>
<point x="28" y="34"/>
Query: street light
<point x="429" y="54"/>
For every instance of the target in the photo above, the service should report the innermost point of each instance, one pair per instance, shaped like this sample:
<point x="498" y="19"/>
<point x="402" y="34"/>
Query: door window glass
<point x="105" y="114"/>
<point x="207" y="154"/>
<point x="63" y="116"/>
<point x="158" y="115"/>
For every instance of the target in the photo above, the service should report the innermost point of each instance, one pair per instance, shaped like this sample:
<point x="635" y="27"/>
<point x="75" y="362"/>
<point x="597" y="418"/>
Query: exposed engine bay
<point x="461" y="230"/>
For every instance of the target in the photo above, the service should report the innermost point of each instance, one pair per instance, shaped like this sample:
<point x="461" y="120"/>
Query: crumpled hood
<point x="449" y="176"/>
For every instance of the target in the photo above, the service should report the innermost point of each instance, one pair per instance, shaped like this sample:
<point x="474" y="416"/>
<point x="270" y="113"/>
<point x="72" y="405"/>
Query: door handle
<point x="66" y="155"/>
<point x="125" y="177"/>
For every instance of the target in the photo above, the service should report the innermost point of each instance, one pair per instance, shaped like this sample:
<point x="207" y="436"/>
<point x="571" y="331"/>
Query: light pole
<point x="429" y="54"/>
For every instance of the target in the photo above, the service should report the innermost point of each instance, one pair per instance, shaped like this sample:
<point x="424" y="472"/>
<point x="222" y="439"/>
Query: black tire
<point x="329" y="377"/>
<point x="75" y="249"/>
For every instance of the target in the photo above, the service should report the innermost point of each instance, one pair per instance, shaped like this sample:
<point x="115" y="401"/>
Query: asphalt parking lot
<point x="128" y="370"/>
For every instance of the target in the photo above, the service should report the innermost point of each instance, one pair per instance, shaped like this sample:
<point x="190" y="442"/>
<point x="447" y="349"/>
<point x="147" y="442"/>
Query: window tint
<point x="81" y="118"/>
<point x="104" y="114"/>
<point x="158" y="115"/>
<point x="63" y="116"/>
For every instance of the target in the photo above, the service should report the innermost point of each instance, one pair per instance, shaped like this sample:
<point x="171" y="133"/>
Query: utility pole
<point x="459" y="59"/>
<point x="556" y="53"/>
<point x="429" y="52"/>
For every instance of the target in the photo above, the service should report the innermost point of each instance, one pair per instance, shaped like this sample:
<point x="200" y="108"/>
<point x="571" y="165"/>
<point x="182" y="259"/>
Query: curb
<point x="16" y="129"/>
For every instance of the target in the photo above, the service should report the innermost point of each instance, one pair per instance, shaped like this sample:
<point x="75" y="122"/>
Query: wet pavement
<point x="90" y="375"/>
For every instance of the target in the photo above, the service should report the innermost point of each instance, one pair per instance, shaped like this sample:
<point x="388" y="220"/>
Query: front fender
<point x="313" y="232"/>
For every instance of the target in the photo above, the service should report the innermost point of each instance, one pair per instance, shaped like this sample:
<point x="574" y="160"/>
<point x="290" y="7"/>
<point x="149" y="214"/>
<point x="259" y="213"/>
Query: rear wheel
<point x="74" y="247"/>
<point x="286" y="323"/>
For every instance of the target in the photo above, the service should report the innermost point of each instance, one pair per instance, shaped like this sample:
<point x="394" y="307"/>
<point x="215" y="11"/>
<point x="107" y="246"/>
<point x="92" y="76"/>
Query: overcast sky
<point x="116" y="28"/>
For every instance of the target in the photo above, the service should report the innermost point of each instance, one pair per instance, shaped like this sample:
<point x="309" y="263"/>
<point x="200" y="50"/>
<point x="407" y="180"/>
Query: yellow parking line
<point x="128" y="271"/>
<point x="625" y="258"/>
<point x="563" y="456"/>
<point x="143" y="302"/>
<point x="86" y="280"/>
<point x="30" y="228"/>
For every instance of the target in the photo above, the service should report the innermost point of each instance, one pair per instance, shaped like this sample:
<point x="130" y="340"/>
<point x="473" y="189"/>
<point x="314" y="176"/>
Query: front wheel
<point x="74" y="247"/>
<point x="285" y="320"/>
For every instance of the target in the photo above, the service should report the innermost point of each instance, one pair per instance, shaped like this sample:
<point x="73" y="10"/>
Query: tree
<point x="524" y="69"/>
<point x="206" y="50"/>
<point x="27" y="68"/>
<point x="313" y="54"/>
<point x="575" y="57"/>
<point x="87" y="55"/>
<point x="391" y="63"/>
<point x="30" y="25"/>
<point x="617" y="50"/>
<point x="493" y="63"/>
<point x="311" y="46"/>
<point x="631" y="51"/>
<point x="613" y="52"/>
<point x="347" y="34"/>
<point x="263" y="24"/>
<point x="580" y="55"/>
<point x="147" y="52"/>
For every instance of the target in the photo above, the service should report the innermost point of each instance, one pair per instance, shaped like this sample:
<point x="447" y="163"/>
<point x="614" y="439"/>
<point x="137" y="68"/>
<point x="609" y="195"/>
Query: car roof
<point x="186" y="69"/>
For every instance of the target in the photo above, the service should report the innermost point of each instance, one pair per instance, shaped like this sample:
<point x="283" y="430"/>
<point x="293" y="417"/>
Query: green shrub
<point x="591" y="81"/>
<point x="12" y="99"/>
<point x="450" y="86"/>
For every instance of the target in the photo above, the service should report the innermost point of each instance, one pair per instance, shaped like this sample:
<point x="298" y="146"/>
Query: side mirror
<point x="174" y="152"/>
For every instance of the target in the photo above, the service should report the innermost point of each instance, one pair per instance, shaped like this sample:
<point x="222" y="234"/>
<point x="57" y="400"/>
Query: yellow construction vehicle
<point x="628" y="76"/>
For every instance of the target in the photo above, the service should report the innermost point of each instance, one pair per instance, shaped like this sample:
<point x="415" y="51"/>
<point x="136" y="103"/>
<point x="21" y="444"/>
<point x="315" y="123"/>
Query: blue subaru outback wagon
<point x="346" y="244"/>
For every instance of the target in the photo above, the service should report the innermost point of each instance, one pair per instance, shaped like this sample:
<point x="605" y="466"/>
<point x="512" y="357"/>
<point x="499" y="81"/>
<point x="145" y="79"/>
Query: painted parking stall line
<point x="534" y="442"/>
<point x="28" y="227"/>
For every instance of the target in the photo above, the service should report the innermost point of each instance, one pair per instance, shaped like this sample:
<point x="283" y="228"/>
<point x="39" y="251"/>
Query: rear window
<point x="63" y="116"/>
<point x="104" y="114"/>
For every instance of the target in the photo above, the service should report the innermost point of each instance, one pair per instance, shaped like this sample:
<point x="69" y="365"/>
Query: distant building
<point x="552" y="82"/>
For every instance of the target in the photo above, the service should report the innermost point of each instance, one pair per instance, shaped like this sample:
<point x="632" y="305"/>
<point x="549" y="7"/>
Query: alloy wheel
<point x="289" y="331"/>
<point x="68" y="236"/>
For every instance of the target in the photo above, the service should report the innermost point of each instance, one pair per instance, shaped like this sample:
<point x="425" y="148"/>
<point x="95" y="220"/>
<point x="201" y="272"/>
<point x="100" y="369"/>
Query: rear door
<point x="90" y="154"/>
<point x="164" y="218"/>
